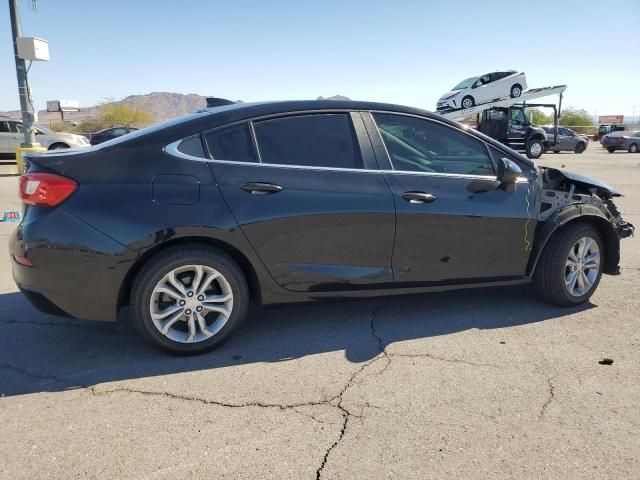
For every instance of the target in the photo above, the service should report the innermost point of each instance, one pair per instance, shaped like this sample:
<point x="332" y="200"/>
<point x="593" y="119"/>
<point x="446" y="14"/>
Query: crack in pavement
<point x="60" y="325"/>
<point x="336" y="401"/>
<point x="552" y="396"/>
<point x="38" y="376"/>
<point x="346" y="414"/>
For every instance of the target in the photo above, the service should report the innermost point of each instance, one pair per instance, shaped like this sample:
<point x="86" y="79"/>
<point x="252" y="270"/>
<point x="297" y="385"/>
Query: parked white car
<point x="482" y="89"/>
<point x="12" y="135"/>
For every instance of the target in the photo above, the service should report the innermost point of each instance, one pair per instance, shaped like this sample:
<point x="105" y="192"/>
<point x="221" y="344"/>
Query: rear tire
<point x="581" y="147"/>
<point x="633" y="148"/>
<point x="225" y="299"/>
<point x="611" y="150"/>
<point x="516" y="90"/>
<point x="556" y="151"/>
<point x="552" y="277"/>
<point x="468" y="102"/>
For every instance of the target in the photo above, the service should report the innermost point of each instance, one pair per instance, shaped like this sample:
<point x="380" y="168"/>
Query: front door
<point x="315" y="209"/>
<point x="454" y="223"/>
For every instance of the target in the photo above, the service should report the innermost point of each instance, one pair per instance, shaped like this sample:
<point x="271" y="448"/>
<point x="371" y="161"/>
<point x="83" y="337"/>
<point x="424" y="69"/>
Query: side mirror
<point x="508" y="172"/>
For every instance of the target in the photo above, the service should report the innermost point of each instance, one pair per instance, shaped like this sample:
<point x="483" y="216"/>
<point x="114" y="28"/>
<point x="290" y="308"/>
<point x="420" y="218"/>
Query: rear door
<point x="454" y="223"/>
<point x="308" y="194"/>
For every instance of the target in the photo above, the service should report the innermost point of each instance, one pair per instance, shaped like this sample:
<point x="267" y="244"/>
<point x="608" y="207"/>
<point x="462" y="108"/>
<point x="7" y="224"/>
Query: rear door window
<point x="319" y="140"/>
<point x="232" y="143"/>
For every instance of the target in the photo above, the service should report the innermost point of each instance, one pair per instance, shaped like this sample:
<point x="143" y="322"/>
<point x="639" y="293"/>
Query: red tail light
<point x="45" y="189"/>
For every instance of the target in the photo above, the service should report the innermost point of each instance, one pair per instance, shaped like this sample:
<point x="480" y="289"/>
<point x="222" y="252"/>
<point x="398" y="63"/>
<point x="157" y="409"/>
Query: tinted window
<point x="419" y="145"/>
<point x="326" y="140"/>
<point x="192" y="146"/>
<point x="4" y="127"/>
<point x="232" y="143"/>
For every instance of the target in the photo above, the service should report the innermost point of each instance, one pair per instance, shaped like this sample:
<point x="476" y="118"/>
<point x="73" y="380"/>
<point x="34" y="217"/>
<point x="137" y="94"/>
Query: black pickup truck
<point x="510" y="126"/>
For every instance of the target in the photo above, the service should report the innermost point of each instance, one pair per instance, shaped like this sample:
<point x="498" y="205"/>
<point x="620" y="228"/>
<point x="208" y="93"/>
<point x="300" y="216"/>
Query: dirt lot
<point x="479" y="384"/>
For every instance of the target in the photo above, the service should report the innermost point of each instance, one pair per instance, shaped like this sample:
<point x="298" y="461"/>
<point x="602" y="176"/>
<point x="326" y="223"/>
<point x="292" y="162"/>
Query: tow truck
<point x="504" y="119"/>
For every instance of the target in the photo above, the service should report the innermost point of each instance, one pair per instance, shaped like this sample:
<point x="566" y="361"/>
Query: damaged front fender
<point x="566" y="197"/>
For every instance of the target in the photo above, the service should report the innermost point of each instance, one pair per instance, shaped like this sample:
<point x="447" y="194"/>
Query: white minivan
<point x="12" y="135"/>
<point x="482" y="89"/>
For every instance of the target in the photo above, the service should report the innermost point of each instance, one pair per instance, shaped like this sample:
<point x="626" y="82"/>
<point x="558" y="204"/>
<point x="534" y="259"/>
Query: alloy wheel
<point x="536" y="149"/>
<point x="582" y="266"/>
<point x="191" y="303"/>
<point x="516" y="92"/>
<point x="467" y="103"/>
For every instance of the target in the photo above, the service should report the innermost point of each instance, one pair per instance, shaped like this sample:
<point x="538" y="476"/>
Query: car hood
<point x="602" y="188"/>
<point x="449" y="94"/>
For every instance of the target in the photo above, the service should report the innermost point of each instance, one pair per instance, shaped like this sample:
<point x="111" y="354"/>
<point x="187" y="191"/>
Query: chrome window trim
<point x="172" y="150"/>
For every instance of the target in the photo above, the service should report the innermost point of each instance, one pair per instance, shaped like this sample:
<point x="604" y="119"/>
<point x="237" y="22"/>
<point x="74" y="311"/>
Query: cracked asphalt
<point x="476" y="384"/>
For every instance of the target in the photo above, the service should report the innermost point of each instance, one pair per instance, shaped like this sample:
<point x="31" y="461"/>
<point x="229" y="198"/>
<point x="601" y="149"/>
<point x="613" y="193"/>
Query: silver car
<point x="12" y="135"/>
<point x="622" y="141"/>
<point x="567" y="140"/>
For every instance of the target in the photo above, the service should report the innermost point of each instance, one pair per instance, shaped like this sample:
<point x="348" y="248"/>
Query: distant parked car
<point x="483" y="89"/>
<point x="109" y="133"/>
<point x="567" y="140"/>
<point x="606" y="129"/>
<point x="629" y="142"/>
<point x="12" y="135"/>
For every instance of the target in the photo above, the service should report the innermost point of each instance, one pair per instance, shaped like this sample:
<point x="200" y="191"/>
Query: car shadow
<point x="43" y="353"/>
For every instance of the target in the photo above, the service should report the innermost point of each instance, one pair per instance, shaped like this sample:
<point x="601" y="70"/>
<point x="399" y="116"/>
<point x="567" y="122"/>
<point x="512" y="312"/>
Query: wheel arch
<point x="58" y="143"/>
<point x="570" y="215"/>
<point x="239" y="257"/>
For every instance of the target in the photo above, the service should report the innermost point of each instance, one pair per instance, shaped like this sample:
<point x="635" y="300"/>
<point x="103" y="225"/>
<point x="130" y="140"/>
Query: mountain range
<point x="160" y="105"/>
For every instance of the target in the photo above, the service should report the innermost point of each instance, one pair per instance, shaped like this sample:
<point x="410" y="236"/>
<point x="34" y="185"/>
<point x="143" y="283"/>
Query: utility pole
<point x="21" y="72"/>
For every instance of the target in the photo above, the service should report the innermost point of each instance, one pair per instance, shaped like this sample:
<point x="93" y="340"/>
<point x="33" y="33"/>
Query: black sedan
<point x="109" y="134"/>
<point x="187" y="221"/>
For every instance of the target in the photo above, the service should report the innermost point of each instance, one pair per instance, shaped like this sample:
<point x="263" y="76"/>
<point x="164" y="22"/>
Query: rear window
<point x="192" y="146"/>
<point x="322" y="140"/>
<point x="232" y="143"/>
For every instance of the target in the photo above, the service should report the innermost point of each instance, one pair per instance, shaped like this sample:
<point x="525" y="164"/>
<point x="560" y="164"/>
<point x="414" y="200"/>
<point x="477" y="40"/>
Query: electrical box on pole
<point x="33" y="49"/>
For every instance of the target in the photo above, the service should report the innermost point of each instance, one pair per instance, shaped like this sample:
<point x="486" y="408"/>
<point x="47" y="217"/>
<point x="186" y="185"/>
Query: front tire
<point x="611" y="150"/>
<point x="468" y="102"/>
<point x="189" y="300"/>
<point x="58" y="146"/>
<point x="633" y="148"/>
<point x="570" y="267"/>
<point x="581" y="147"/>
<point x="535" y="149"/>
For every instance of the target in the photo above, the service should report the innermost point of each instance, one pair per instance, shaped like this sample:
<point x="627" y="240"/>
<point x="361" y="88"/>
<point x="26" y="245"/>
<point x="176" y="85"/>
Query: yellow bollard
<point x="20" y="160"/>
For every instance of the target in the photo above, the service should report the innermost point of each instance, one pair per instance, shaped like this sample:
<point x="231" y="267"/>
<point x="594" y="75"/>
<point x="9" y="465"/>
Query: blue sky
<point x="407" y="52"/>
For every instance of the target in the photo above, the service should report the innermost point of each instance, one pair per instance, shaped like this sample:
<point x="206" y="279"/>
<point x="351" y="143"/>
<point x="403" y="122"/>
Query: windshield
<point x="465" y="84"/>
<point x="44" y="130"/>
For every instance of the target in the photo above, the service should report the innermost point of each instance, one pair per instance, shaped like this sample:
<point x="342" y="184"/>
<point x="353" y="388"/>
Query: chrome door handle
<point x="260" y="188"/>
<point x="418" y="197"/>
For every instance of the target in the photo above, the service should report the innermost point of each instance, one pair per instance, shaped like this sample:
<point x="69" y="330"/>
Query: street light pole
<point x="21" y="72"/>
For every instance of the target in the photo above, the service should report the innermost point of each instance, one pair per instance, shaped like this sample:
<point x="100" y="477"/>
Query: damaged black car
<point x="187" y="222"/>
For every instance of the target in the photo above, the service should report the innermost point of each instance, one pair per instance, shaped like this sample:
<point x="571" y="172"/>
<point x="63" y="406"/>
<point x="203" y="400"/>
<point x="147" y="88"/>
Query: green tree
<point x="538" y="117"/>
<point x="573" y="117"/>
<point x="118" y="114"/>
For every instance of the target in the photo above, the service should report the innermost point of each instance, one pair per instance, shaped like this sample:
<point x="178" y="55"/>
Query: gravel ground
<point x="477" y="384"/>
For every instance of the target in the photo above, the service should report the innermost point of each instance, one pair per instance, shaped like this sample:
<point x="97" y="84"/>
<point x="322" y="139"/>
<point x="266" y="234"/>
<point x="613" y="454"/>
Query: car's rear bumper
<point x="77" y="271"/>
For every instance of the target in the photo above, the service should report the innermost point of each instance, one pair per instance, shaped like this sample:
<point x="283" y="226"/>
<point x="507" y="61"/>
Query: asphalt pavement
<point x="477" y="384"/>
